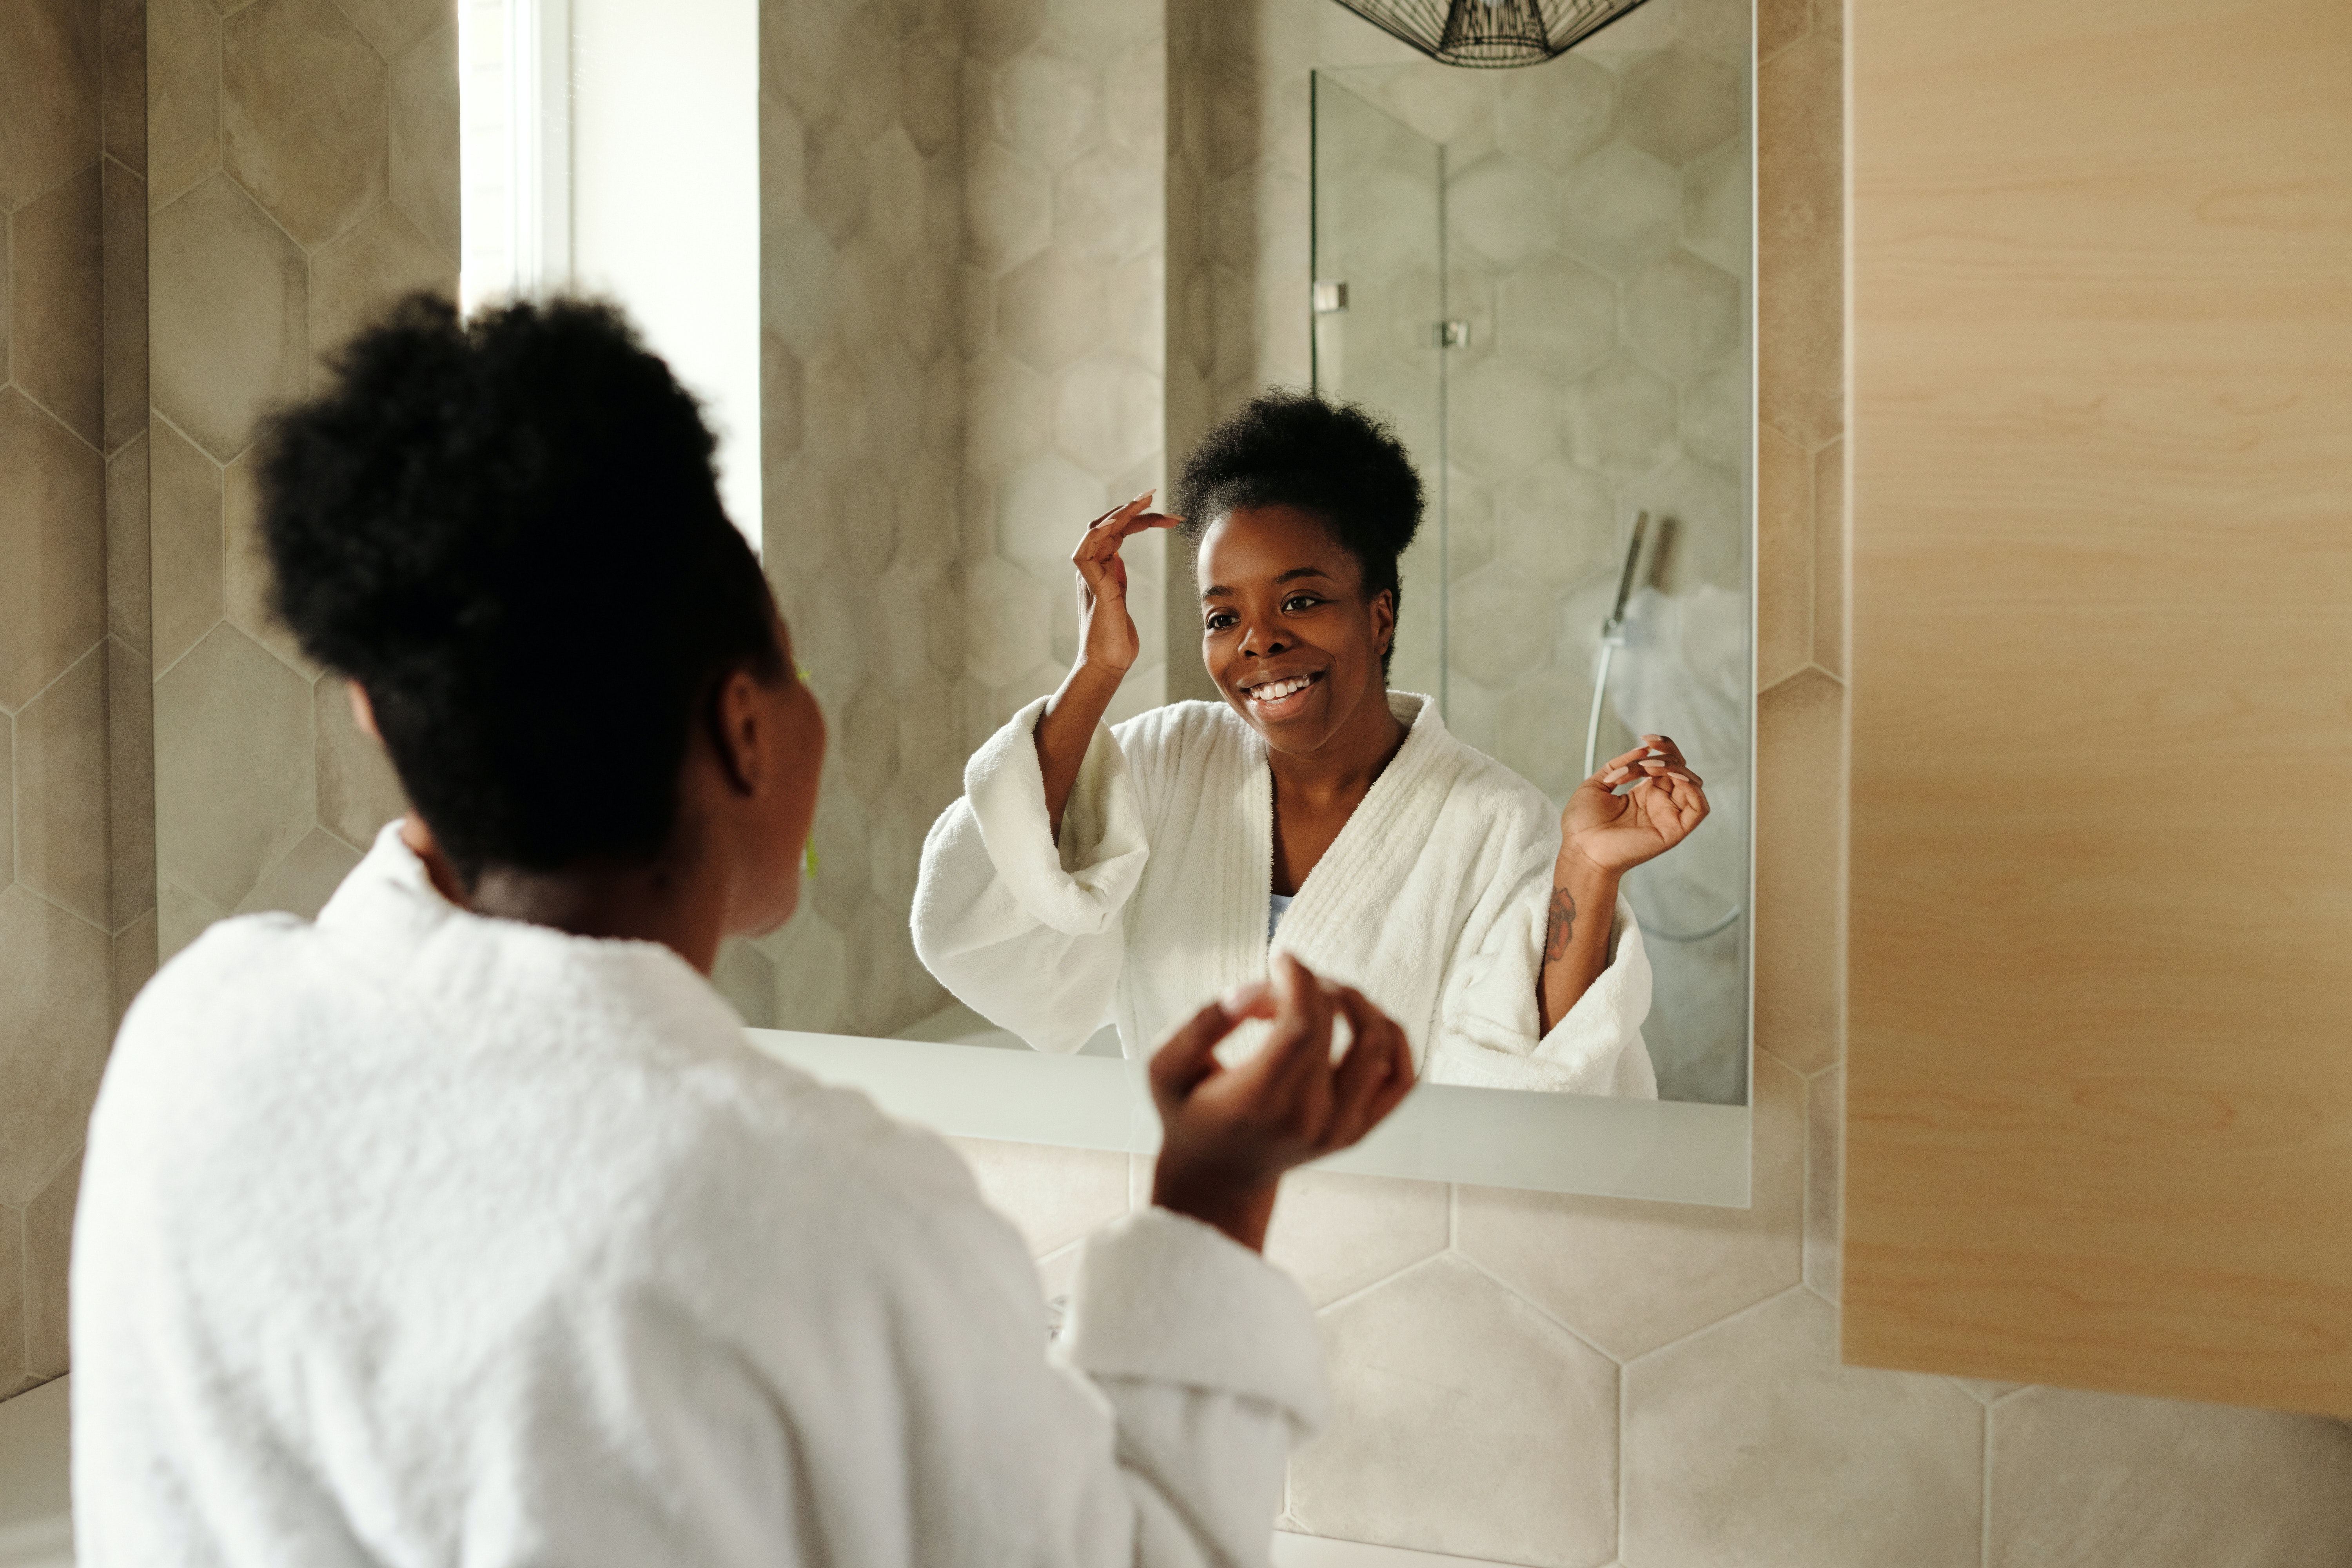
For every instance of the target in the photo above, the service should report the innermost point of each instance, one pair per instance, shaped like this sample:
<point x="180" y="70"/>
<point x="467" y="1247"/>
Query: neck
<point x="1344" y="766"/>
<point x="664" y="902"/>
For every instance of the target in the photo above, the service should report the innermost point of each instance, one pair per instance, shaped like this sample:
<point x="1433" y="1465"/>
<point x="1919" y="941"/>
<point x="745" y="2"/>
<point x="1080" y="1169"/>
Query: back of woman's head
<point x="1339" y="462"/>
<point x="507" y="530"/>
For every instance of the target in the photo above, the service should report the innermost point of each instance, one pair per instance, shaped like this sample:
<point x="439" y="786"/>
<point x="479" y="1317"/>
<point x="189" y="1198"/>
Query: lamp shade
<point x="1491" y="34"/>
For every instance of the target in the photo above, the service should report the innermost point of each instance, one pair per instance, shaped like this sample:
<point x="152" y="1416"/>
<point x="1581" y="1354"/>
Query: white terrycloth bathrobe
<point x="1431" y="901"/>
<point x="414" y="1238"/>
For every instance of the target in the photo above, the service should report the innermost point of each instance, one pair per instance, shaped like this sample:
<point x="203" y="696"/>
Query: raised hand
<point x="1233" y="1132"/>
<point x="1108" y="639"/>
<point x="1617" y="832"/>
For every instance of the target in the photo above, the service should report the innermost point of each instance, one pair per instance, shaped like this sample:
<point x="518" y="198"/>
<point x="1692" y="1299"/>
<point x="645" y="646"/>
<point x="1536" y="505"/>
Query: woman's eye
<point x="1298" y="601"/>
<point x="1220" y="621"/>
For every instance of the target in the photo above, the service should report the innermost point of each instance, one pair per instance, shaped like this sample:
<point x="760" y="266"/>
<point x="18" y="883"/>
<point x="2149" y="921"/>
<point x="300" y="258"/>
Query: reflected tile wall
<point x="77" y="843"/>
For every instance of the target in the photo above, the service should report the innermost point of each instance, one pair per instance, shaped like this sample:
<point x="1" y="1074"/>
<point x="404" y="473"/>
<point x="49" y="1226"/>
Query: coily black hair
<point x="1339" y="462"/>
<point x="507" y="530"/>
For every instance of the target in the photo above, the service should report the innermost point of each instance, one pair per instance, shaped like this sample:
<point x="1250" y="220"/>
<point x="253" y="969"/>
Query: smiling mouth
<point x="1268" y="692"/>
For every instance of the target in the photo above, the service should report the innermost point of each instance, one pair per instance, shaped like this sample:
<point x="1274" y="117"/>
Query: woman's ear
<point x="736" y="716"/>
<point x="1383" y="620"/>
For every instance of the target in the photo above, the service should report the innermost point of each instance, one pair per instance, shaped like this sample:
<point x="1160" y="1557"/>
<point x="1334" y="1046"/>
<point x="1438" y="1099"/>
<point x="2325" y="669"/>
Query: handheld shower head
<point x="1625" y="578"/>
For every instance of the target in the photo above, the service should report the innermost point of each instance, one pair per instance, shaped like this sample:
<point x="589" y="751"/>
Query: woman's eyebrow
<point x="1221" y="592"/>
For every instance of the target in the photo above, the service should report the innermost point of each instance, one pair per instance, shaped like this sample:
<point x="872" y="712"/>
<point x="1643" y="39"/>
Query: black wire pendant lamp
<point x="1491" y="34"/>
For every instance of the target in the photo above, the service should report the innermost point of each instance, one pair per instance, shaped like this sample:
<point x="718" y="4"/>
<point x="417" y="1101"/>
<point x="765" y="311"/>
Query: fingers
<point x="1189" y="1054"/>
<point x="1374" y="1073"/>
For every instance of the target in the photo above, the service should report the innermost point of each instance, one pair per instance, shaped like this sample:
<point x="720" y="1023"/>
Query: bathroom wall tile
<point x="62" y="771"/>
<point x="134" y="965"/>
<point x="1009" y="414"/>
<point x="1446" y="1387"/>
<point x="1504" y="209"/>
<point x="1053" y="1197"/>
<point x="809" y="963"/>
<point x="1800" y="871"/>
<point x="355" y="279"/>
<point x="1619" y="420"/>
<point x="1802" y="312"/>
<point x="868" y="737"/>
<point x="1784" y="558"/>
<point x="1829" y="557"/>
<point x="1556" y="523"/>
<point x="1558" y="317"/>
<point x="2084" y="1478"/>
<point x="1556" y="116"/>
<point x="1678" y="103"/>
<point x="1501" y="623"/>
<point x="229" y="295"/>
<point x="225" y="813"/>
<point x="747" y="978"/>
<point x="867" y="66"/>
<point x="1829" y="18"/>
<point x="394" y="26"/>
<point x="183" y="96"/>
<point x="424" y="137"/>
<point x="302" y="882"/>
<point x="883" y="967"/>
<point x="304" y="106"/>
<point x="1749" y="1444"/>
<point x="1043" y="508"/>
<point x="1715" y="416"/>
<point x="1504" y="418"/>
<point x="123" y="321"/>
<point x="12" y="1301"/>
<point x="1337" y="1234"/>
<point x="122" y="87"/>
<point x="929" y="79"/>
<point x="1824" y="1157"/>
<point x="1683" y="314"/>
<point x="8" y="799"/>
<point x="130" y="784"/>
<point x="1105" y="206"/>
<point x="53" y="1037"/>
<point x="52" y="549"/>
<point x="1539" y="727"/>
<point x="800" y="47"/>
<point x="1625" y="208"/>
<point x="1704" y="518"/>
<point x="1631" y="1277"/>
<point x="996" y="31"/>
<point x="54" y="336"/>
<point x="1986" y="1391"/>
<point x="1050" y="310"/>
<point x="358" y="791"/>
<point x="1715" y="207"/>
<point x="894" y="173"/>
<point x="246" y="571"/>
<point x="48" y="1252"/>
<point x="48" y="95"/>
<point x="1107" y="416"/>
<point x="1009" y="206"/>
<point x="181" y="917"/>
<point x="1049" y="105"/>
<point x="186" y="534"/>
<point x="1780" y="23"/>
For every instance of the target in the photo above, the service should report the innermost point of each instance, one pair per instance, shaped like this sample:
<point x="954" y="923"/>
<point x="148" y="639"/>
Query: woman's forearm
<point x="1066" y="729"/>
<point x="1576" y="937"/>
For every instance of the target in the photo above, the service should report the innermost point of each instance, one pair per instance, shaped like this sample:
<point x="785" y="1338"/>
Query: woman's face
<point x="1286" y="629"/>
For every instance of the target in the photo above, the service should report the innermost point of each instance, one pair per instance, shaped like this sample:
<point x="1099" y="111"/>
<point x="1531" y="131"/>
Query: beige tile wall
<point x="304" y="174"/>
<point x="77" y="843"/>
<point x="1535" y="1379"/>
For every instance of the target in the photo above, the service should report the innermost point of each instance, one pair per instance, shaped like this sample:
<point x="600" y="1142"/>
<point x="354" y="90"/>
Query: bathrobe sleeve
<point x="1027" y="932"/>
<point x="1487" y="1030"/>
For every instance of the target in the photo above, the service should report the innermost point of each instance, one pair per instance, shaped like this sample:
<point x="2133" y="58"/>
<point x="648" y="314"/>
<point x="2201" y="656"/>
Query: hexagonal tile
<point x="1801" y="241"/>
<point x="53" y="554"/>
<point x="1619" y="420"/>
<point x="1502" y="207"/>
<point x="881" y="956"/>
<point x="1504" y="418"/>
<point x="302" y="882"/>
<point x="48" y="95"/>
<point x="2081" y="1477"/>
<point x="54" y="316"/>
<point x="356" y="279"/>
<point x="185" y="539"/>
<point x="1558" y="317"/>
<point x="1784" y="559"/>
<point x="247" y="581"/>
<point x="1558" y="522"/>
<point x="1049" y="106"/>
<point x="1716" y="222"/>
<point x="843" y="851"/>
<point x="182" y="96"/>
<point x="1379" y="225"/>
<point x="358" y="791"/>
<point x="1631" y="1277"/>
<point x="7" y="803"/>
<point x="1706" y="526"/>
<point x="123" y="327"/>
<point x="229" y="299"/>
<point x="1829" y="557"/>
<point x="130" y="609"/>
<point x="928" y="90"/>
<point x="1824" y="1157"/>
<point x="800" y="51"/>
<point x="996" y="31"/>
<point x="1800" y="924"/>
<point x="1678" y="103"/>
<point x="61" y="790"/>
<point x="1539" y="729"/>
<point x="181" y="917"/>
<point x="1716" y="420"/>
<point x="1619" y="208"/>
<point x="869" y="740"/>
<point x="1749" y="1443"/>
<point x="834" y="167"/>
<point x="1007" y="613"/>
<point x="395" y="26"/>
<point x="1720" y="26"/>
<point x="1445" y="1386"/>
<point x="1043" y="508"/>
<point x="1009" y="202"/>
<point x="1107" y="413"/>
<point x="1683" y="314"/>
<point x="1053" y="1197"/>
<point x="53" y="1037"/>
<point x="1049" y="310"/>
<point x="747" y="978"/>
<point x="1107" y="205"/>
<point x="1500" y="625"/>
<point x="800" y="281"/>
<point x="234" y="787"/>
<point x="48" y="1254"/>
<point x="1557" y="115"/>
<point x="895" y="207"/>
<point x="867" y="65"/>
<point x="304" y="115"/>
<point x="1337" y="1234"/>
<point x="809" y="963"/>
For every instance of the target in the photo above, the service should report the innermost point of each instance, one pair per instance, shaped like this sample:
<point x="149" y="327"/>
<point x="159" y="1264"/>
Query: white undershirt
<point x="1277" y="906"/>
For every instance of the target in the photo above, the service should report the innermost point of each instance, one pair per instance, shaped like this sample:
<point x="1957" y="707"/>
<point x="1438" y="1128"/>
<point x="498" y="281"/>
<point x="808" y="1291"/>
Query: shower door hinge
<point x="1330" y="298"/>
<point x="1450" y="334"/>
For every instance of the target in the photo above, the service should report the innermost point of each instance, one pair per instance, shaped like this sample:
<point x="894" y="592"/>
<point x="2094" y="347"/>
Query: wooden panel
<point x="2100" y="1081"/>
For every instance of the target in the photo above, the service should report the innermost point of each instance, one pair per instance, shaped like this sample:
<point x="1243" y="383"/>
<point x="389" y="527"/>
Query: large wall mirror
<point x="955" y="278"/>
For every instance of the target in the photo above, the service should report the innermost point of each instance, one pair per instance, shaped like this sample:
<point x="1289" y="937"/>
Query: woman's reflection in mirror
<point x="1094" y="872"/>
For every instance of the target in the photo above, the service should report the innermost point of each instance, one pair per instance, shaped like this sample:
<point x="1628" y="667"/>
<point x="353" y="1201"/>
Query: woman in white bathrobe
<point x="1093" y="873"/>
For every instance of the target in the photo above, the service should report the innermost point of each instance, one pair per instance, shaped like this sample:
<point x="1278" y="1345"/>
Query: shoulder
<point x="1484" y="791"/>
<point x="1175" y="725"/>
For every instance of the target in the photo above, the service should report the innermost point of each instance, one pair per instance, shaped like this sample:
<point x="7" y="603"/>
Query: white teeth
<point x="1276" y="691"/>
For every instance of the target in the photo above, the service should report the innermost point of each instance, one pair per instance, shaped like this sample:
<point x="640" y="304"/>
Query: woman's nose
<point x="1260" y="640"/>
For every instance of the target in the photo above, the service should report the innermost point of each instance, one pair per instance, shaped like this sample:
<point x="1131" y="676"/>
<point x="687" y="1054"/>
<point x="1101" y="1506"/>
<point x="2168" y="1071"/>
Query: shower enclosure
<point x="1542" y="280"/>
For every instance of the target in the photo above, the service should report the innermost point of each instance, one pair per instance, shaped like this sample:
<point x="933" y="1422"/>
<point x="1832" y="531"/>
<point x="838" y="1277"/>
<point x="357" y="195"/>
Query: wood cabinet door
<point x="2100" y="989"/>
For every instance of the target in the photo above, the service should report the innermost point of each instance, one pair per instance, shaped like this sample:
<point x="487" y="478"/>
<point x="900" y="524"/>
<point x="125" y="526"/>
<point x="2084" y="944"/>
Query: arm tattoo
<point x="1561" y="926"/>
